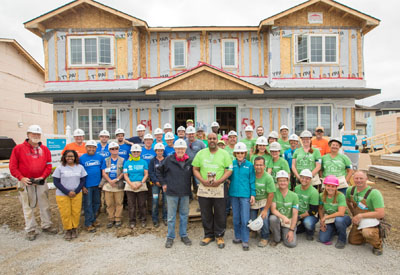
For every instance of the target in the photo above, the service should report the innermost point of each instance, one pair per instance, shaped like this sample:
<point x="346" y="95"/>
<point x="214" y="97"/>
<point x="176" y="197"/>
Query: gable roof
<point x="35" y="25"/>
<point x="24" y="53"/>
<point x="392" y="104"/>
<point x="370" y="22"/>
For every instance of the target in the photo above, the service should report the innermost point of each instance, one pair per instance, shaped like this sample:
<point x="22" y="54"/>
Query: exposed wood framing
<point x="284" y="54"/>
<point x="270" y="120"/>
<point x="55" y="122"/>
<point x="207" y="49"/>
<point x="250" y="71"/>
<point x="130" y="122"/>
<point x="266" y="54"/>
<point x="66" y="58"/>
<point x="251" y="113"/>
<point x="135" y="53"/>
<point x="56" y="55"/>
<point x="159" y="117"/>
<point x="344" y="118"/>
<point x="202" y="35"/>
<point x="158" y="54"/>
<point x="259" y="55"/>
<point x="148" y="55"/>
<point x="65" y="121"/>
<point x="240" y="50"/>
<point x="359" y="54"/>
<point x="349" y="51"/>
<point x="353" y="118"/>
<point x="261" y="116"/>
<point x="97" y="74"/>
<point x="46" y="59"/>
<point x="279" y="117"/>
<point x="242" y="54"/>
<point x="143" y="64"/>
<point x="137" y="116"/>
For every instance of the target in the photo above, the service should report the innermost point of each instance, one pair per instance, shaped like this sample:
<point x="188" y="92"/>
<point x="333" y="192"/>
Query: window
<point x="179" y="53"/>
<point x="367" y="114"/>
<point x="316" y="48"/>
<point x="229" y="53"/>
<point x="90" y="50"/>
<point x="309" y="117"/>
<point x="93" y="120"/>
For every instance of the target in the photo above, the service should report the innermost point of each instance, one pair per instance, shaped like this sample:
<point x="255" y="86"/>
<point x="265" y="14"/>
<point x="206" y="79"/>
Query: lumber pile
<point x="389" y="173"/>
<point x="392" y="157"/>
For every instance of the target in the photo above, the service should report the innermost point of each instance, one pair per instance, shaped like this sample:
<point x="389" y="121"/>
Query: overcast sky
<point x="380" y="55"/>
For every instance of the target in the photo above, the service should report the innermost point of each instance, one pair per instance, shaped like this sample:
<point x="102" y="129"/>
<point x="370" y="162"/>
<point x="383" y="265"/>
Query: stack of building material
<point x="7" y="181"/>
<point x="392" y="157"/>
<point x="389" y="173"/>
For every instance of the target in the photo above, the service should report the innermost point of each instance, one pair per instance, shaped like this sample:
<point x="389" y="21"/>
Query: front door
<point x="226" y="117"/>
<point x="182" y="114"/>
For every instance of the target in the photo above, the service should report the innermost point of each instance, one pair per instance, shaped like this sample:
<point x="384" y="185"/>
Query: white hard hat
<point x="335" y="139"/>
<point x="113" y="145"/>
<point x="136" y="148"/>
<point x="92" y="143"/>
<point x="159" y="146"/>
<point x="306" y="134"/>
<point x="148" y="136"/>
<point x="232" y="133"/>
<point x="364" y="223"/>
<point x="79" y="133"/>
<point x="240" y="147"/>
<point x="274" y="146"/>
<point x="273" y="134"/>
<point x="167" y="126"/>
<point x="248" y="129"/>
<point x="180" y="143"/>
<point x="306" y="173"/>
<point x="215" y="124"/>
<point x="180" y="128"/>
<point x="169" y="136"/>
<point x="34" y="129"/>
<point x="119" y="131"/>
<point x="257" y="224"/>
<point x="190" y="130"/>
<point x="158" y="131"/>
<point x="262" y="141"/>
<point x="283" y="127"/>
<point x="104" y="133"/>
<point x="294" y="137"/>
<point x="282" y="174"/>
<point x="140" y="127"/>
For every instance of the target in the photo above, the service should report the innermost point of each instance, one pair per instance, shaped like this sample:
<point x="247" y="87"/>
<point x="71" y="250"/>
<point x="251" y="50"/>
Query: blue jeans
<point x="91" y="204"/>
<point x="241" y="217"/>
<point x="265" y="228"/>
<point x="156" y="194"/>
<point x="172" y="204"/>
<point x="307" y="225"/>
<point x="338" y="227"/>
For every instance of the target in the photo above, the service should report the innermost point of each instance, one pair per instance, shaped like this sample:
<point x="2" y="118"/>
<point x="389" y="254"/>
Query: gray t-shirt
<point x="194" y="147"/>
<point x="70" y="177"/>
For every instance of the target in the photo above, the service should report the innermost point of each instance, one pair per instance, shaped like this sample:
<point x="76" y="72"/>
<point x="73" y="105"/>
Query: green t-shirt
<point x="285" y="204"/>
<point x="374" y="199"/>
<point x="284" y="145"/>
<point x="230" y="151"/>
<point x="331" y="207"/>
<point x="264" y="185"/>
<point x="250" y="143"/>
<point x="280" y="164"/>
<point x="267" y="158"/>
<point x="217" y="162"/>
<point x="205" y="142"/>
<point x="335" y="166"/>
<point x="306" y="160"/>
<point x="306" y="197"/>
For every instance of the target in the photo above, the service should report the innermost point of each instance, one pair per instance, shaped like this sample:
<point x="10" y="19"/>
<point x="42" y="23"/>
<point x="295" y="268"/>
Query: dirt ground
<point x="11" y="215"/>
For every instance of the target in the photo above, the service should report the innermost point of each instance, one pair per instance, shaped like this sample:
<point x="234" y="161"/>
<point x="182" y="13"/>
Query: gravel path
<point x="145" y="254"/>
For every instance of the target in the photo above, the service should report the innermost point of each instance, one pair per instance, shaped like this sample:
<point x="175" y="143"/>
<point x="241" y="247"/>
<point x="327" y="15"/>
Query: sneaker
<point x="68" y="235"/>
<point x="156" y="224"/>
<point x="309" y="237"/>
<point x="340" y="245"/>
<point x="91" y="229"/>
<point x="274" y="244"/>
<point x="74" y="233"/>
<point x="96" y="224"/>
<point x="262" y="243"/>
<point x="169" y="243"/>
<point x="186" y="241"/>
<point x="143" y="224"/>
<point x="31" y="236"/>
<point x="50" y="230"/>
<point x="132" y="225"/>
<point x="206" y="241"/>
<point x="165" y="222"/>
<point x="237" y="241"/>
<point x="110" y="224"/>
<point x="327" y="243"/>
<point x="118" y="224"/>
<point x="377" y="251"/>
<point x="220" y="242"/>
<point x="245" y="246"/>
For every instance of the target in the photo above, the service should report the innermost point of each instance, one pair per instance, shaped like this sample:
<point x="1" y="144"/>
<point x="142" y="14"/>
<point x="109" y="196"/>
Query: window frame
<point x="185" y="47"/>
<point x="305" y="115"/>
<point x="308" y="59"/>
<point x="98" y="63"/>
<point x="236" y="51"/>
<point x="104" y="109"/>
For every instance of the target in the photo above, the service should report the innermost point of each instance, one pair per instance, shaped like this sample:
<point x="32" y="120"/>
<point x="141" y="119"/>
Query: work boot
<point x="245" y="246"/>
<point x="91" y="229"/>
<point x="110" y="224"/>
<point x="74" y="233"/>
<point x="206" y="241"/>
<point x="31" y="236"/>
<point x="262" y="243"/>
<point x="377" y="251"/>
<point x="186" y="241"/>
<point x="220" y="242"/>
<point x="169" y="243"/>
<point x="96" y="224"/>
<point x="118" y="224"/>
<point x="274" y="244"/>
<point x="156" y="224"/>
<point x="340" y="245"/>
<point x="236" y="241"/>
<point x="68" y="235"/>
<point x="50" y="230"/>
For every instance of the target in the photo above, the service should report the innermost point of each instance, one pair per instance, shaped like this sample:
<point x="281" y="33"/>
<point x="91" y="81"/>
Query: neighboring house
<point x="387" y="107"/>
<point x="302" y="67"/>
<point x="20" y="73"/>
<point x="362" y="115"/>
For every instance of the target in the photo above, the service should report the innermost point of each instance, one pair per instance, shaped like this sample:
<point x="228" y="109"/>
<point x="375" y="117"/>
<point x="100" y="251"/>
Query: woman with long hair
<point x="261" y="151"/>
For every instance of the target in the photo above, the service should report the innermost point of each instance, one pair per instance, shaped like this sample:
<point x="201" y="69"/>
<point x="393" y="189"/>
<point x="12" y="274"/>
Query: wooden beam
<point x="130" y="122"/>
<point x="65" y="121"/>
<point x="279" y="117"/>
<point x="359" y="54"/>
<point x="242" y="55"/>
<point x="159" y="117"/>
<point x="250" y="71"/>
<point x="349" y="52"/>
<point x="56" y="55"/>
<point x="55" y="122"/>
<point x="46" y="59"/>
<point x="271" y="122"/>
<point x="158" y="54"/>
<point x="344" y="118"/>
<point x="261" y="116"/>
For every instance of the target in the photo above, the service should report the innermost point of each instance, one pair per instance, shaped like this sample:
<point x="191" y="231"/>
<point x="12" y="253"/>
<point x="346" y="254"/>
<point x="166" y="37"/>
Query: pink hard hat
<point x="331" y="180"/>
<point x="224" y="137"/>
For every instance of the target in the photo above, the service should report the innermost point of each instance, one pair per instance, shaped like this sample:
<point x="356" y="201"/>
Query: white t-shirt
<point x="70" y="177"/>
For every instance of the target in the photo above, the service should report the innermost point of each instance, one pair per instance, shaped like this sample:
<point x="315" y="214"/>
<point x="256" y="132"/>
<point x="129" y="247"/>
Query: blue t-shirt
<point x="147" y="155"/>
<point x="163" y="138"/>
<point x="104" y="152"/>
<point x="124" y="151"/>
<point x="155" y="142"/>
<point x="168" y="151"/>
<point x="112" y="170"/>
<point x="136" y="140"/>
<point x="289" y="156"/>
<point x="135" y="169"/>
<point x="92" y="165"/>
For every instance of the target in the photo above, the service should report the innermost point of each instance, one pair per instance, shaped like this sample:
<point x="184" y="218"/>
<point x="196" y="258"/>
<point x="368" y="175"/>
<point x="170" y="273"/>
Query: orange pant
<point x="369" y="235"/>
<point x="70" y="210"/>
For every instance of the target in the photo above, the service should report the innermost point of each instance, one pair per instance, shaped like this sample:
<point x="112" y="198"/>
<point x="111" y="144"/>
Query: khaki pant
<point x="114" y="202"/>
<point x="369" y="235"/>
<point x="42" y="192"/>
<point x="70" y="210"/>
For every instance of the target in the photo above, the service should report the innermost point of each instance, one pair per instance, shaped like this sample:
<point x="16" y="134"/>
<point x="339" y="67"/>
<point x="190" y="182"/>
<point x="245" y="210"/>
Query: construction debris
<point x="389" y="173"/>
<point x="7" y="181"/>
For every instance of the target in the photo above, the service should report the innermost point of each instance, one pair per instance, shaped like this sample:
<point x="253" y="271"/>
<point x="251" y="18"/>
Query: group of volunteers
<point x="279" y="185"/>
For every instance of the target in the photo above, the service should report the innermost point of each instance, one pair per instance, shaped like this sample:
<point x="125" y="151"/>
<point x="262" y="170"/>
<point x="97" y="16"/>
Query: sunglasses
<point x="113" y="149"/>
<point x="240" y="153"/>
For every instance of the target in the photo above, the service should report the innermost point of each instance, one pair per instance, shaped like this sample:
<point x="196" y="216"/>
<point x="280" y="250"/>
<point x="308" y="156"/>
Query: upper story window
<point x="308" y="117"/>
<point x="179" y="53"/>
<point x="90" y="51"/>
<point x="229" y="53"/>
<point x="316" y="48"/>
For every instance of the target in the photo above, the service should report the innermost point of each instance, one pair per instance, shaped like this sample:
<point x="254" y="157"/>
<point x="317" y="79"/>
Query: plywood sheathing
<point x="242" y="54"/>
<point x="135" y="53"/>
<point x="143" y="52"/>
<point x="65" y="121"/>
<point x="353" y="118"/>
<point x="148" y="55"/>
<point x="266" y="54"/>
<point x="344" y="119"/>
<point x="46" y="59"/>
<point x="250" y="72"/>
<point x="285" y="54"/>
<point x="359" y="54"/>
<point x="55" y="122"/>
<point x="158" y="54"/>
